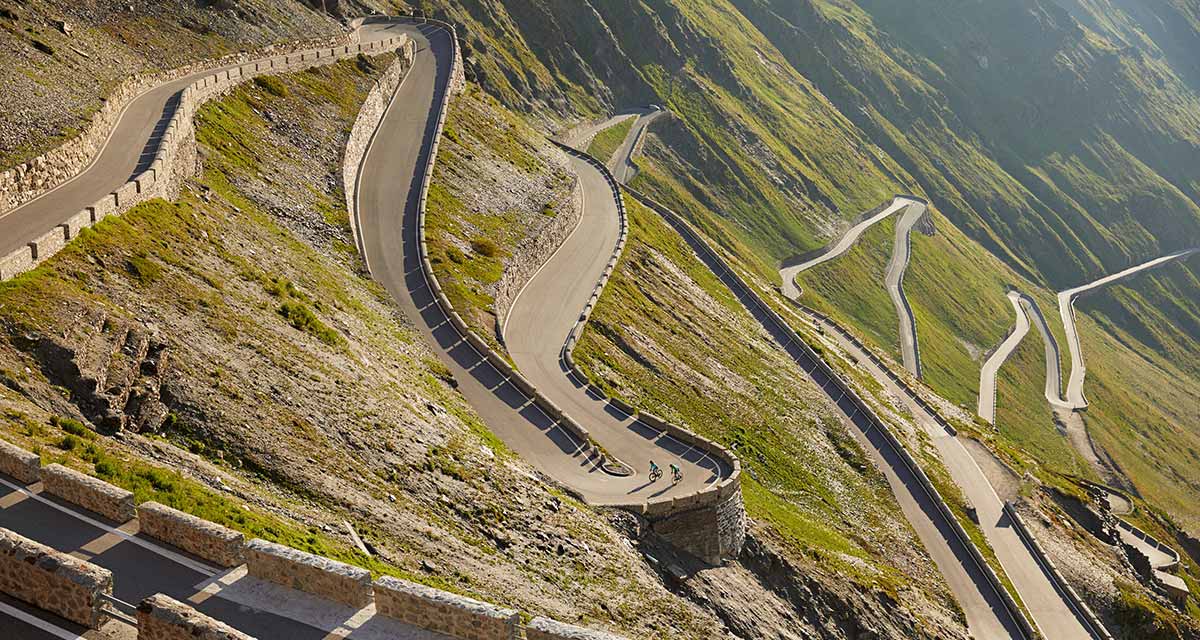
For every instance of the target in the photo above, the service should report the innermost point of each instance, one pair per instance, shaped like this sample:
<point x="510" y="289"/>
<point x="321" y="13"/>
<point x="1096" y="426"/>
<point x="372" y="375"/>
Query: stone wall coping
<point x="52" y="580"/>
<point x="541" y="628"/>
<point x="444" y="598"/>
<point x="163" y="618"/>
<point x="90" y="493"/>
<point x="20" y="464"/>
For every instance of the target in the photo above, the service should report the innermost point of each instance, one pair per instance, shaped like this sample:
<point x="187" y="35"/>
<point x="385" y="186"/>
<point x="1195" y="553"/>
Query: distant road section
<point x="1066" y="309"/>
<point x="910" y="351"/>
<point x="987" y="375"/>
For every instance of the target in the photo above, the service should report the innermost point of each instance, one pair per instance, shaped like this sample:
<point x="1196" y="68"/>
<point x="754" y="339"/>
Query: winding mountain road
<point x="1066" y="309"/>
<point x="893" y="278"/>
<point x="387" y="214"/>
<point x="621" y="164"/>
<point x="141" y="566"/>
<point x="1028" y="314"/>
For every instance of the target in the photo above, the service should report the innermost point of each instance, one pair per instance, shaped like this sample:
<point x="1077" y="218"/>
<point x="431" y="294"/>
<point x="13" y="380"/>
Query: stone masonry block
<point x="92" y="494"/>
<point x="443" y="612"/>
<point x="48" y="244"/>
<point x="162" y="618"/>
<point x="16" y="263"/>
<point x="213" y="542"/>
<point x="546" y="629"/>
<point x="52" y="580"/>
<point x="125" y="196"/>
<point x="18" y="463"/>
<point x="76" y="223"/>
<point x="306" y="572"/>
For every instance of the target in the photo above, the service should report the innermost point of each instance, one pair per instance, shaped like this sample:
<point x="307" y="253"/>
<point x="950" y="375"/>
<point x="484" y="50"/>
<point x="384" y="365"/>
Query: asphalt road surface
<point x="842" y="245"/>
<point x="129" y="151"/>
<point x="987" y="374"/>
<point x="1066" y="309"/>
<point x="387" y="215"/>
<point x="894" y="280"/>
<point x="621" y="164"/>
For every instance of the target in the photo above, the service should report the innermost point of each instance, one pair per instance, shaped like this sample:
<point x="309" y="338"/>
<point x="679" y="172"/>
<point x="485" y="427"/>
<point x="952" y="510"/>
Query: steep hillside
<point x="233" y="336"/>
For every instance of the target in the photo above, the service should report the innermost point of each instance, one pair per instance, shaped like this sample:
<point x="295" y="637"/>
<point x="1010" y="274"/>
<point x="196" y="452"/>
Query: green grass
<point x="605" y="144"/>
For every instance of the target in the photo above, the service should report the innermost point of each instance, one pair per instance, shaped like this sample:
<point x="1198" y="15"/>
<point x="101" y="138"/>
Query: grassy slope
<point x="669" y="337"/>
<point x="308" y="431"/>
<point x="605" y="144"/>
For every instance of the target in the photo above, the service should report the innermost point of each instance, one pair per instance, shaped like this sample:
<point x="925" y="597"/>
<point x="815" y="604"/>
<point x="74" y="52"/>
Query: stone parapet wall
<point x="365" y="125"/>
<point x="27" y="181"/>
<point x="546" y="629"/>
<point x="161" y="618"/>
<point x="56" y="582"/>
<point x="443" y="612"/>
<point x="174" y="159"/>
<point x="321" y="577"/>
<point x="92" y="494"/>
<point x="19" y="464"/>
<point x="219" y="545"/>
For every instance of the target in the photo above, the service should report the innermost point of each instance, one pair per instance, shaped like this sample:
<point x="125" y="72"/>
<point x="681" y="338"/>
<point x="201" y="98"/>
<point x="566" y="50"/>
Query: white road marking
<point x="34" y="621"/>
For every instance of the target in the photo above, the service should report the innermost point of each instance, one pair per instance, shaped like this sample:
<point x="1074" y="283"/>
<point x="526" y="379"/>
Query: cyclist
<point x="676" y="474"/>
<point x="655" y="472"/>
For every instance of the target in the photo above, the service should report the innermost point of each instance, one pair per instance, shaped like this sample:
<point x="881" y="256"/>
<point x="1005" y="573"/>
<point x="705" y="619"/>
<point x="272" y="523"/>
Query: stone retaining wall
<point x="27" y="181"/>
<point x="365" y="125"/>
<point x="443" y="612"/>
<point x="219" y="545"/>
<point x="19" y="464"/>
<point x="161" y="618"/>
<point x="305" y="572"/>
<point x="92" y="494"/>
<point x="546" y="629"/>
<point x="47" y="579"/>
<point x="177" y="146"/>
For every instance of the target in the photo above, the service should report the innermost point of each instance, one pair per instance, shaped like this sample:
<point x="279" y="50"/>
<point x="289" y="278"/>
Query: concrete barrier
<point x="546" y="629"/>
<point x="321" y="577"/>
<point x="443" y="612"/>
<point x="212" y="542"/>
<point x="162" y="618"/>
<point x="17" y="463"/>
<point x="92" y="494"/>
<point x="56" y="582"/>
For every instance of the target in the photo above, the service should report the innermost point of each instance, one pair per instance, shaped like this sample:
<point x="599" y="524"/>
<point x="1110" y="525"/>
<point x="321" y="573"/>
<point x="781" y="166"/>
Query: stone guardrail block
<point x="48" y="244"/>
<point x="546" y="629"/>
<point x="15" y="462"/>
<point x="321" y="577"/>
<point x="16" y="263"/>
<point x="475" y="341"/>
<point x="623" y="406"/>
<point x="76" y="223"/>
<point x="162" y="618"/>
<point x="443" y="612"/>
<point x="54" y="581"/>
<point x="145" y="181"/>
<point x="92" y="494"/>
<point x="521" y="383"/>
<point x="125" y="195"/>
<point x="212" y="542"/>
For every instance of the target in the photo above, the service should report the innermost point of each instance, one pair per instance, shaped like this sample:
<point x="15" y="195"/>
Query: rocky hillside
<point x="62" y="59"/>
<point x="233" y="337"/>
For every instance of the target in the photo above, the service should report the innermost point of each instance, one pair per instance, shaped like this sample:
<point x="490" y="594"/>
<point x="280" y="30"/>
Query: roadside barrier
<point x="444" y="612"/>
<point x="317" y="575"/>
<point x="219" y="545"/>
<point x="750" y="298"/>
<point x="19" y="463"/>
<point x="54" y="581"/>
<point x="1082" y="611"/>
<point x="92" y="494"/>
<point x="162" y="618"/>
<point x="546" y="629"/>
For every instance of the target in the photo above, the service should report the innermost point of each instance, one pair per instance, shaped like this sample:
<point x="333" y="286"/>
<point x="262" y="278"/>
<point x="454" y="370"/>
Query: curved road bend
<point x="1028" y="314"/>
<point x="621" y="164"/>
<point x="910" y="351"/>
<point x="389" y="191"/>
<point x="1049" y="609"/>
<point x="1066" y="309"/>
<point x="842" y="245"/>
<point x="128" y="151"/>
<point x="987" y="374"/>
